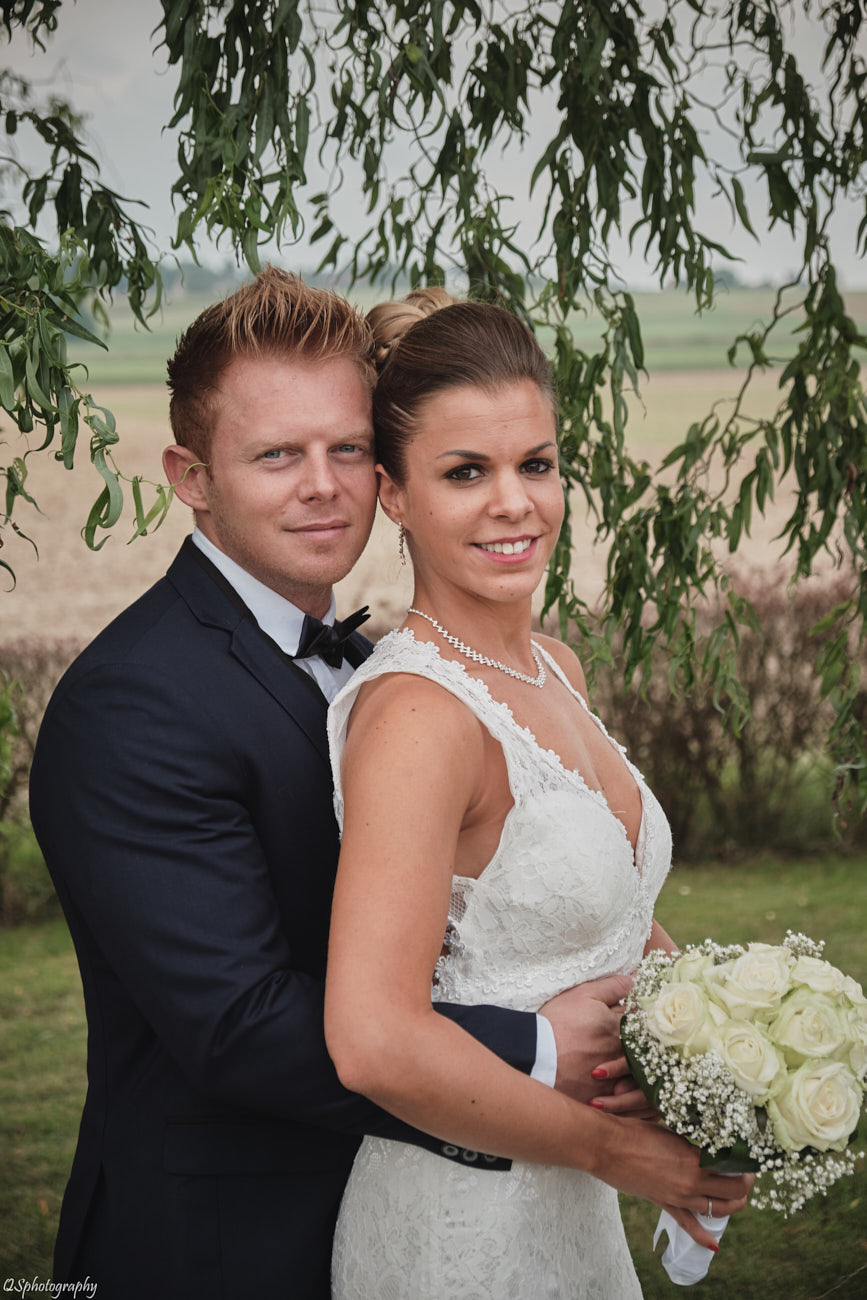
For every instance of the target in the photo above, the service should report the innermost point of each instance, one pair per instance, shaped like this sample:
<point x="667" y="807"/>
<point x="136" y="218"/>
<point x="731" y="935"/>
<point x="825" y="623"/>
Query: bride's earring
<point x="401" y="538"/>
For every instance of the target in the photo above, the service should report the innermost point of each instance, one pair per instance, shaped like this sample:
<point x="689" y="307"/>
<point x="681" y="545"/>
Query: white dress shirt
<point x="282" y="621"/>
<point x="277" y="616"/>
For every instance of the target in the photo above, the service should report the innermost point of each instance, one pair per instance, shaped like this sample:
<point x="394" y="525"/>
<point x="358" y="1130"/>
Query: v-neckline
<point x="570" y="771"/>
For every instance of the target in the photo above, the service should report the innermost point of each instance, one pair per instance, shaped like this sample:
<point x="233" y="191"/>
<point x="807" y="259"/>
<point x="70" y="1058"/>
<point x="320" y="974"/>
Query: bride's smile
<point x="517" y="547"/>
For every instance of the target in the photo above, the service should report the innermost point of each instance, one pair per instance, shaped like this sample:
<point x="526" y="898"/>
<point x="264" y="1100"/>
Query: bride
<point x="496" y="843"/>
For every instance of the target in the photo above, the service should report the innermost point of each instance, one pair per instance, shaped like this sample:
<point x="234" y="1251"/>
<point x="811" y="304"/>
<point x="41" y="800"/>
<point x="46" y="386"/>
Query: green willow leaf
<point x="35" y="389"/>
<point x="99" y="513"/>
<point x="7" y="379"/>
<point x="11" y="572"/>
<point x="112" y="497"/>
<point x="158" y="511"/>
<point x="70" y="325"/>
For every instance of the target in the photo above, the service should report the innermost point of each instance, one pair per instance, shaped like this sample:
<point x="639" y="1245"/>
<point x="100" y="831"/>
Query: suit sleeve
<point x="140" y="801"/>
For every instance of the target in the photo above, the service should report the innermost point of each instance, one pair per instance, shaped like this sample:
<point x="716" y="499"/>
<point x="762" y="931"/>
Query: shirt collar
<point x="276" y="615"/>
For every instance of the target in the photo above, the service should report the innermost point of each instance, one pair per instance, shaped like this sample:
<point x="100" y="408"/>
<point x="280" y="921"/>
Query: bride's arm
<point x="412" y="771"/>
<point x="659" y="938"/>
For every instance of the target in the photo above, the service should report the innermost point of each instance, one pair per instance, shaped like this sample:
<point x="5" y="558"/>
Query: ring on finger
<point x="709" y="1208"/>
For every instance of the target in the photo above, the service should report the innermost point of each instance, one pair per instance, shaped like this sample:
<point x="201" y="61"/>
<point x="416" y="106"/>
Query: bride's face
<point x="481" y="499"/>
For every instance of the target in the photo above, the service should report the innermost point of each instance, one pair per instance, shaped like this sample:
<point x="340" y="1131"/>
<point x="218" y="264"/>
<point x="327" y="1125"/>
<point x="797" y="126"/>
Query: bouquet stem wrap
<point x="685" y="1261"/>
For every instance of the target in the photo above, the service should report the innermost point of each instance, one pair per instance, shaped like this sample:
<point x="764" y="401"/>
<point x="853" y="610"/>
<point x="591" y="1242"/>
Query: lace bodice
<point x="563" y="899"/>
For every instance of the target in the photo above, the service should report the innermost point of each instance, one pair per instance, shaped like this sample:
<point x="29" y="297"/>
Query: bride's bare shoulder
<point x="415" y="711"/>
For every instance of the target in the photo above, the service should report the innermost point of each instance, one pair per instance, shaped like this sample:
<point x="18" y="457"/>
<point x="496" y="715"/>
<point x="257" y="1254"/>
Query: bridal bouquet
<point x="758" y="1055"/>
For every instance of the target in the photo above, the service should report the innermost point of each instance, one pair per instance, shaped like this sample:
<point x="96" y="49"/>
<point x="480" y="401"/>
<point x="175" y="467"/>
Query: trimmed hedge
<point x="771" y="785"/>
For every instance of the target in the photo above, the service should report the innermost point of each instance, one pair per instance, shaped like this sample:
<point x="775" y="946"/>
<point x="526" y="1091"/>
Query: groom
<point x="181" y="793"/>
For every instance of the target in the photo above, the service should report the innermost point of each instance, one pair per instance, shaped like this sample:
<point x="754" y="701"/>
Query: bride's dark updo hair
<point x="430" y="342"/>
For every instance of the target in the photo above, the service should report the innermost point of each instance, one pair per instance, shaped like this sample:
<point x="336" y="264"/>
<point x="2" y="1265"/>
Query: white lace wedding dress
<point x="562" y="901"/>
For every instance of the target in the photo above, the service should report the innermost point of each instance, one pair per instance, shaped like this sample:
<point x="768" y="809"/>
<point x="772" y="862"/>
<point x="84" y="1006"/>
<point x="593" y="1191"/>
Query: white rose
<point x="810" y="1026"/>
<point x="858" y="1034"/>
<point x="817" y="1107"/>
<point x="755" y="1063"/>
<point x="818" y="975"/>
<point x="853" y="991"/>
<point x="752" y="986"/>
<point x="678" y="1014"/>
<point x="690" y="967"/>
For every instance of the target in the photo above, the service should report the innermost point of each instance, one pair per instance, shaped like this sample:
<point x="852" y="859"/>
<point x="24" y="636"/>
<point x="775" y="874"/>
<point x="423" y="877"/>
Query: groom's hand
<point x="591" y="1066"/>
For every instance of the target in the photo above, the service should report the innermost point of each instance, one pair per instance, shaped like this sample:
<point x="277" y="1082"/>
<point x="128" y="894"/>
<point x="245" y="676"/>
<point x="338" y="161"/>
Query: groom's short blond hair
<point x="276" y="314"/>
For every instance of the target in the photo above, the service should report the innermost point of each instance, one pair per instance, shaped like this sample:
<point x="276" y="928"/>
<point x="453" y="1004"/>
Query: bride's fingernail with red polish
<point x="599" y="1073"/>
<point x="714" y="1248"/>
<point x="595" y="1101"/>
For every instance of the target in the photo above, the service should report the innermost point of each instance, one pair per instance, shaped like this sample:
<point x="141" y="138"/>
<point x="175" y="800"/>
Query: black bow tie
<point x="325" y="641"/>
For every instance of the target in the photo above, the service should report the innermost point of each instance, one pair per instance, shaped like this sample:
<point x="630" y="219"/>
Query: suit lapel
<point x="215" y="603"/>
<point x="292" y="688"/>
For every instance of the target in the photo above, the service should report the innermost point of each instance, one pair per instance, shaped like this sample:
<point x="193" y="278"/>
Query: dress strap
<point x="558" y="672"/>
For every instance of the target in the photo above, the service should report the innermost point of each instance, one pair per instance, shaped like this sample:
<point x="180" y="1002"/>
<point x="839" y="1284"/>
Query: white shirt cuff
<point x="545" y="1069"/>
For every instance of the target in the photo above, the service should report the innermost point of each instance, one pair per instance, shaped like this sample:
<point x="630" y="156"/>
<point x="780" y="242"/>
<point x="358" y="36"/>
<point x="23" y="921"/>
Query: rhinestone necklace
<point x="538" y="680"/>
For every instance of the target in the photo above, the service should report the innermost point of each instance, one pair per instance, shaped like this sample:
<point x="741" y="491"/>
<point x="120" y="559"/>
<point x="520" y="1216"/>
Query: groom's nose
<point x="317" y="479"/>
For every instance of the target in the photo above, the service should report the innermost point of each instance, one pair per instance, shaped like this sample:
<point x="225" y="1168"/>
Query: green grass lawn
<point x="42" y="1053"/>
<point x="822" y="1251"/>
<point x="819" y="1253"/>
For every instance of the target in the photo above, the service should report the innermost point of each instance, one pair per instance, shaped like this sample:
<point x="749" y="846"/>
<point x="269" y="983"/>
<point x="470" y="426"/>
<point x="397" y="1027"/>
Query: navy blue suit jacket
<point x="181" y="793"/>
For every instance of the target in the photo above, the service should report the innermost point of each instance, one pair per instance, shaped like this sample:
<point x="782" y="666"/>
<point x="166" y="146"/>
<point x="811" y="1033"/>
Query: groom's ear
<point x="188" y="475"/>
<point x="390" y="495"/>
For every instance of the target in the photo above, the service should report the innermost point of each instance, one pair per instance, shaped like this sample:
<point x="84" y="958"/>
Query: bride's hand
<point x="625" y="1097"/>
<point x="649" y="1161"/>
